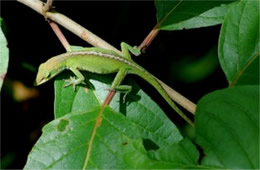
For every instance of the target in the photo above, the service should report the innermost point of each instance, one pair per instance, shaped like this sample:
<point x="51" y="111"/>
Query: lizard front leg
<point x="125" y="48"/>
<point x="74" y="81"/>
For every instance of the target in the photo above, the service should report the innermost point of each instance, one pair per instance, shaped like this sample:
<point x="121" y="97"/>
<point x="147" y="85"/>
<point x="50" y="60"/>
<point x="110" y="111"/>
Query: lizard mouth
<point x="37" y="83"/>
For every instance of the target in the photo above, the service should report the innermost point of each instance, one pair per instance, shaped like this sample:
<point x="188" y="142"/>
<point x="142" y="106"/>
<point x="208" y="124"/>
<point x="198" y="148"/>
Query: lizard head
<point x="47" y="71"/>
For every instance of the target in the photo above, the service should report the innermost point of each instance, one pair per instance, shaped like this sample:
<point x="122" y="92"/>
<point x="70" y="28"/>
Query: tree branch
<point x="178" y="98"/>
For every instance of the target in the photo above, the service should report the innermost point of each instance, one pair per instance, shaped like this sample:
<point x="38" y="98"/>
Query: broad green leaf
<point x="227" y="126"/>
<point x="139" y="108"/>
<point x="65" y="140"/>
<point x="4" y="55"/>
<point x="117" y="144"/>
<point x="187" y="14"/>
<point x="239" y="43"/>
<point x="151" y="121"/>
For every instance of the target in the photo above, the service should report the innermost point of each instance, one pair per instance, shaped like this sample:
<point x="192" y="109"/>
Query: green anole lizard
<point x="102" y="61"/>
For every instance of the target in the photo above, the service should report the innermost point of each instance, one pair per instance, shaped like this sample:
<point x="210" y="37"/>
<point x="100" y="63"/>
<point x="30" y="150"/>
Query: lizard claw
<point x="124" y="97"/>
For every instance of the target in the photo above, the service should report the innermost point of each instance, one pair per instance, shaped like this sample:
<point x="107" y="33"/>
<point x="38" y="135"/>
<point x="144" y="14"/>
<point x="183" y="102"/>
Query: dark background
<point x="31" y="41"/>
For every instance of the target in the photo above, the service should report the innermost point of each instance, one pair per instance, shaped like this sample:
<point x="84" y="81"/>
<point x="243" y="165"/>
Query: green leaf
<point x="239" y="43"/>
<point x="187" y="14"/>
<point x="117" y="145"/>
<point x="66" y="147"/>
<point x="227" y="126"/>
<point x="4" y="55"/>
<point x="64" y="141"/>
<point x="139" y="108"/>
<point x="151" y="121"/>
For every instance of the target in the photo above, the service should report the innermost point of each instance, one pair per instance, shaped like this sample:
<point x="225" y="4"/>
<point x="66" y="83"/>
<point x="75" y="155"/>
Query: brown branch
<point x="60" y="35"/>
<point x="48" y="6"/>
<point x="178" y="98"/>
<point x="150" y="37"/>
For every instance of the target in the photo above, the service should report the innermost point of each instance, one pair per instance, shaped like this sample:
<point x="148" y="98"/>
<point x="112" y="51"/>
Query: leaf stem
<point x="150" y="37"/>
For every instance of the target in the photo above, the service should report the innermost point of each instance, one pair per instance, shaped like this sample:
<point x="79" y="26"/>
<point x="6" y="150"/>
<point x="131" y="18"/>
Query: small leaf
<point x="227" y="126"/>
<point x="4" y="55"/>
<point x="239" y="43"/>
<point x="187" y="14"/>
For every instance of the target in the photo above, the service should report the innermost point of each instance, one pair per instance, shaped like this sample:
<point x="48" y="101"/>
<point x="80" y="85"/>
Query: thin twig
<point x="60" y="35"/>
<point x="178" y="98"/>
<point x="48" y="6"/>
<point x="149" y="38"/>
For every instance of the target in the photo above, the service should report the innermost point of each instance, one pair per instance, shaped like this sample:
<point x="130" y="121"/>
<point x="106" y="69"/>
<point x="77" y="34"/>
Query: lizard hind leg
<point x="116" y="85"/>
<point x="124" y="89"/>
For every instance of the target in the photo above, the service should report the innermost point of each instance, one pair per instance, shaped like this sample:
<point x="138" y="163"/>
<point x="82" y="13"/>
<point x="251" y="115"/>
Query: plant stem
<point x="149" y="38"/>
<point x="178" y="98"/>
<point x="60" y="35"/>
